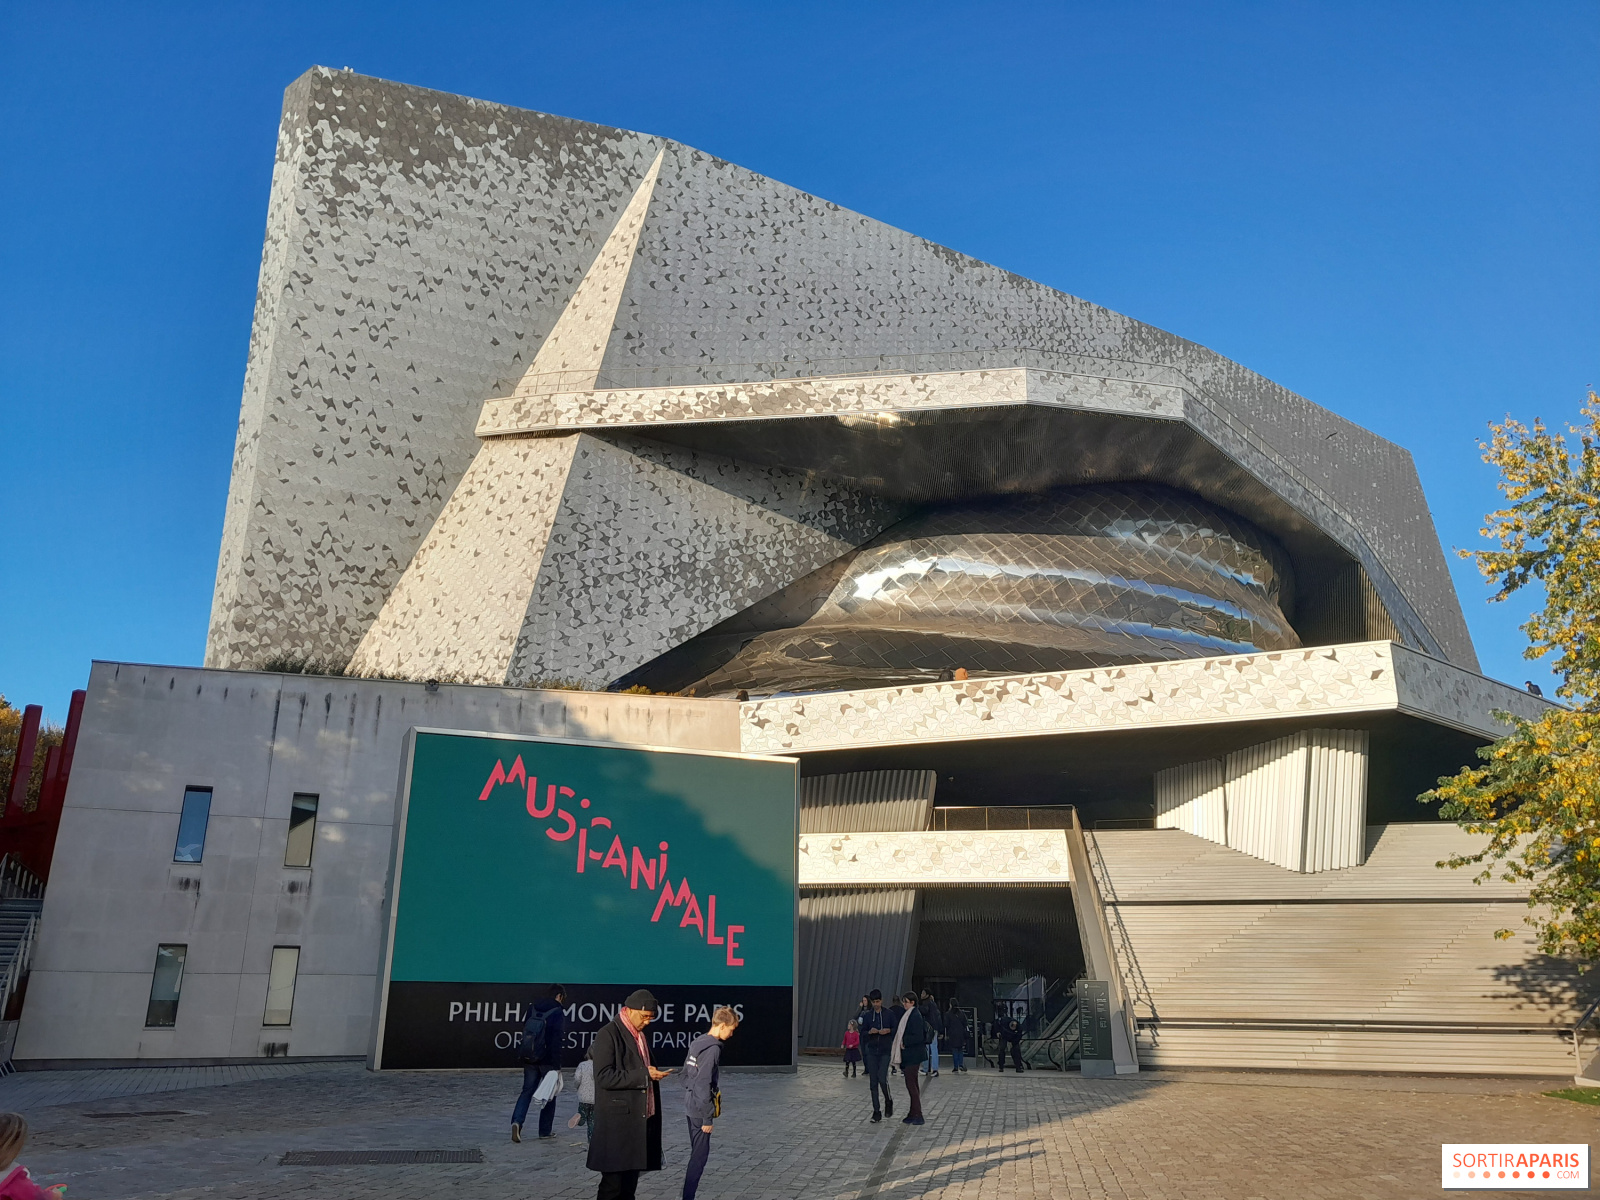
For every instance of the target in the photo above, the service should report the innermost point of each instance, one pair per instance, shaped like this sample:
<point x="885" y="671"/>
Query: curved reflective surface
<point x="1080" y="577"/>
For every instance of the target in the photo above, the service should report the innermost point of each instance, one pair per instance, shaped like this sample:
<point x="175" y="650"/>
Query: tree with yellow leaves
<point x="1537" y="796"/>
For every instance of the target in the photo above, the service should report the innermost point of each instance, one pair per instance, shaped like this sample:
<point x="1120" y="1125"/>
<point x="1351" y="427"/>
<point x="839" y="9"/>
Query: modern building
<point x="560" y="429"/>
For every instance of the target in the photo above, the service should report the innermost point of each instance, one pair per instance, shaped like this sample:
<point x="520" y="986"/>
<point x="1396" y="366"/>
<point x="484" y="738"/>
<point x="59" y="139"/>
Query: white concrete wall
<point x="1192" y="798"/>
<point x="256" y="739"/>
<point x="1300" y="801"/>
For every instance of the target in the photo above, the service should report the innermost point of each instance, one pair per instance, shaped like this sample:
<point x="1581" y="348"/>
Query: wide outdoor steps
<point x="1389" y="966"/>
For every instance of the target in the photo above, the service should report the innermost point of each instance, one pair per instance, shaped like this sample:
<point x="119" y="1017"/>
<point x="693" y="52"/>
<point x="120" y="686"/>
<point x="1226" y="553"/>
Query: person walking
<point x="852" y="1048"/>
<point x="935" y="1022"/>
<point x="910" y="1048"/>
<point x="955" y="1032"/>
<point x="702" y="1092"/>
<point x="627" y="1100"/>
<point x="543" y="1036"/>
<point x="877" y="1041"/>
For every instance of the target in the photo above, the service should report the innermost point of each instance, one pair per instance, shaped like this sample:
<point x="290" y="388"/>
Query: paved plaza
<point x="223" y="1131"/>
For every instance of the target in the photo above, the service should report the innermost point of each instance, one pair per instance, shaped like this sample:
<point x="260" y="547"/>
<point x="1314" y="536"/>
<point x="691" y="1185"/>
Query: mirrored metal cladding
<point x="1078" y="577"/>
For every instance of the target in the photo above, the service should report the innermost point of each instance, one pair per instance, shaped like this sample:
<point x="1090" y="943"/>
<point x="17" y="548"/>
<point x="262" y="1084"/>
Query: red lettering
<point x="498" y="775"/>
<point x="616" y="857"/>
<point x="691" y="915"/>
<point x="733" y="945"/>
<point x="583" y="848"/>
<point x="668" y="898"/>
<point x="711" y="922"/>
<point x="518" y="772"/>
<point x="549" y="801"/>
<point x="643" y="866"/>
<point x="572" y="827"/>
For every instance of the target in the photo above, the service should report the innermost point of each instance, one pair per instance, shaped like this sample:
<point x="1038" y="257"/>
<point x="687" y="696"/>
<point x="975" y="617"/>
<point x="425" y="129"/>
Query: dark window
<point x="192" y="825"/>
<point x="302" y="830"/>
<point x="165" y="984"/>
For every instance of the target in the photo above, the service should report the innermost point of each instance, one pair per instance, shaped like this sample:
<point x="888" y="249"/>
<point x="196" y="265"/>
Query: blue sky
<point x="1389" y="208"/>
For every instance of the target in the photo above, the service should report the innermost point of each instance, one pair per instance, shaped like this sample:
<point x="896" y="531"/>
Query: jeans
<point x="878" y="1079"/>
<point x="699" y="1151"/>
<point x="933" y="1054"/>
<point x="531" y="1078"/>
<point x="957" y="1059"/>
<point x="914" y="1091"/>
<point x="618" y="1185"/>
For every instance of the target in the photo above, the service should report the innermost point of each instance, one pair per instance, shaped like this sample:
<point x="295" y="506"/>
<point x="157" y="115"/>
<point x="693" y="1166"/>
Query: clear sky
<point x="1390" y="208"/>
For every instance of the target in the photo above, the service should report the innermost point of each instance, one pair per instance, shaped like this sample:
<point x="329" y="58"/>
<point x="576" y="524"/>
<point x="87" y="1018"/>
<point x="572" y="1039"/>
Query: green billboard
<point x="521" y="861"/>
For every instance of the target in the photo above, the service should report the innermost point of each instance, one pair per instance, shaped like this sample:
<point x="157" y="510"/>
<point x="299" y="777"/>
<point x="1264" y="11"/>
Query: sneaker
<point x="888" y="1110"/>
<point x="516" y="1132"/>
<point x="913" y="1120"/>
<point x="876" y="1117"/>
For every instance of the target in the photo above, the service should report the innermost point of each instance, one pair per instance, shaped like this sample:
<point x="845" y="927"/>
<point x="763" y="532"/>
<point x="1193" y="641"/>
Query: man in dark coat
<point x="627" y="1100"/>
<point x="1011" y="1040"/>
<point x="955" y="1032"/>
<point x="877" y="1038"/>
<point x="912" y="1042"/>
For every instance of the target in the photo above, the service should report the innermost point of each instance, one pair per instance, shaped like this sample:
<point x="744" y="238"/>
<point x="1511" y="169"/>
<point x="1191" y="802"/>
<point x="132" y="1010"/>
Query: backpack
<point x="533" y="1049"/>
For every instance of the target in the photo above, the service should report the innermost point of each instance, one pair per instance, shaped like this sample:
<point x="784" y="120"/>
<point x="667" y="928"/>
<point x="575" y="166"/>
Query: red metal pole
<point x="22" y="764"/>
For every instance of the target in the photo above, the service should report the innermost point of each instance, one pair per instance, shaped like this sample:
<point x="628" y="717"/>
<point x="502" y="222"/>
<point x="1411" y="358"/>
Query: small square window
<point x="165" y="984"/>
<point x="192" y="826"/>
<point x="302" y="830"/>
<point x="280" y="985"/>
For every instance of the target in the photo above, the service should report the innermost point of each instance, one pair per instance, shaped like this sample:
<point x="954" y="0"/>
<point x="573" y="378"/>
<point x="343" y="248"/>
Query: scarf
<point x="899" y="1036"/>
<point x="649" y="1087"/>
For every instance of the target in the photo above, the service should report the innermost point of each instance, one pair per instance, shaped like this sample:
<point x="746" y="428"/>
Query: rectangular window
<point x="302" y="830"/>
<point x="192" y="825"/>
<point x="165" y="984"/>
<point x="280" y="985"/>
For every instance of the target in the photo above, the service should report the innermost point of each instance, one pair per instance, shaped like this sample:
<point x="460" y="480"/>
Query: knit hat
<point x="641" y="1000"/>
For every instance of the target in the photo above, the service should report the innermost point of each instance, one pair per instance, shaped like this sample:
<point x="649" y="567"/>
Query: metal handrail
<point x="19" y="963"/>
<point x="17" y="882"/>
<point x="1577" y="1037"/>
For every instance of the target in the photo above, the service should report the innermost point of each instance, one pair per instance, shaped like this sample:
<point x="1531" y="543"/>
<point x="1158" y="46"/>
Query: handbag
<point x="716" y="1104"/>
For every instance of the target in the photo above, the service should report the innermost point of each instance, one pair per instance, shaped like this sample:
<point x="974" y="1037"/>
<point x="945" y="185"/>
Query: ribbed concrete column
<point x="1192" y="798"/>
<point x="1300" y="801"/>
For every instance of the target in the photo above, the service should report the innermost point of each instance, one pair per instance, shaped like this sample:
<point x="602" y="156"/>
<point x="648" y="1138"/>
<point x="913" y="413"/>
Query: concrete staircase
<point x="1388" y="966"/>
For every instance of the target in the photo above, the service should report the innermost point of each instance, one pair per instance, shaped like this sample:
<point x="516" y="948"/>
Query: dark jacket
<point x="555" y="1031"/>
<point x="877" y="1043"/>
<point x="955" y="1029"/>
<point x="701" y="1077"/>
<point x="914" y="1043"/>
<point x="933" y="1018"/>
<point x="624" y="1139"/>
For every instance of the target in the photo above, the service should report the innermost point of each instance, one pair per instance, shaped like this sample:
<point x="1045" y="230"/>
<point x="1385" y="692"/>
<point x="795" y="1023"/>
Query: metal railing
<point x="18" y="966"/>
<point x="963" y="817"/>
<point x="17" y="882"/>
<point x="1577" y="1038"/>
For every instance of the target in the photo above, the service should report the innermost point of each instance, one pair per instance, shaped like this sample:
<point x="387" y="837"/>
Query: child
<point x="584" y="1080"/>
<point x="852" y="1049"/>
<point x="16" y="1183"/>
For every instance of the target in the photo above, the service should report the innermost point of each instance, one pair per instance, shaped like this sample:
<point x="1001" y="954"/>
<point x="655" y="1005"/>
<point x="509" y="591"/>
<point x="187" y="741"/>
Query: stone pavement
<point x="1209" y="1136"/>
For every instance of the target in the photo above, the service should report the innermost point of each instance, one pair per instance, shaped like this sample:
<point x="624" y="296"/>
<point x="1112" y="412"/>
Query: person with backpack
<point x="543" y="1035"/>
<point x="702" y="1093"/>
